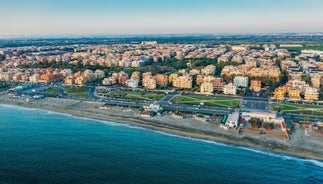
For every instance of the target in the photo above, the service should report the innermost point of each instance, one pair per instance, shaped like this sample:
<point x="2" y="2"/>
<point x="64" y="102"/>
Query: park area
<point x="134" y="95"/>
<point x="298" y="108"/>
<point x="79" y="92"/>
<point x="207" y="100"/>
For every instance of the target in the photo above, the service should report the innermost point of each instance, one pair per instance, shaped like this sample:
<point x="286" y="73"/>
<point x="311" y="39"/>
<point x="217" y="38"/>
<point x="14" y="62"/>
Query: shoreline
<point x="157" y="125"/>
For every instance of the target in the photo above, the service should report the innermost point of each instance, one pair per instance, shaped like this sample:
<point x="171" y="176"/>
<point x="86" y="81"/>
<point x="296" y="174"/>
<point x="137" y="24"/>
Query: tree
<point x="2" y="57"/>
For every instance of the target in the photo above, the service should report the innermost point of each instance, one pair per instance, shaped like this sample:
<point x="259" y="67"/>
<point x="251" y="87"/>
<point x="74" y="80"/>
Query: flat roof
<point x="233" y="117"/>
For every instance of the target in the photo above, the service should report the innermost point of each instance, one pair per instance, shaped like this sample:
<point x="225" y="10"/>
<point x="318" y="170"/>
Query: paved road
<point x="166" y="99"/>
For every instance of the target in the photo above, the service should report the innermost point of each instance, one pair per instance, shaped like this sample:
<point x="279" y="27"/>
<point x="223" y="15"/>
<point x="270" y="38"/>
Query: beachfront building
<point x="232" y="121"/>
<point x="311" y="94"/>
<point x="240" y="81"/>
<point x="229" y="89"/>
<point x="206" y="88"/>
<point x="132" y="83"/>
<point x="266" y="117"/>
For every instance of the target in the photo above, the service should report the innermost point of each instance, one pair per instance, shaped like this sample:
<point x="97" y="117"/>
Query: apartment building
<point x="240" y="81"/>
<point x="229" y="89"/>
<point x="183" y="82"/>
<point x="207" y="88"/>
<point x="255" y="85"/>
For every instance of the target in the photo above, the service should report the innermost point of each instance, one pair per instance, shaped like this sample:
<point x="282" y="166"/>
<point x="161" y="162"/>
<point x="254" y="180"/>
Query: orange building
<point x="294" y="94"/>
<point x="255" y="85"/>
<point x="279" y="93"/>
<point x="51" y="77"/>
<point x="161" y="79"/>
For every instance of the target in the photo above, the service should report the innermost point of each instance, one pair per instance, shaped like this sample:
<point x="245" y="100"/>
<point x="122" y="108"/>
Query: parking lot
<point x="254" y="104"/>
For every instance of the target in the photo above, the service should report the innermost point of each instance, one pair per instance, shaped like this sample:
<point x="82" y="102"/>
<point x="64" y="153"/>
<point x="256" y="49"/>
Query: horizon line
<point x="19" y="36"/>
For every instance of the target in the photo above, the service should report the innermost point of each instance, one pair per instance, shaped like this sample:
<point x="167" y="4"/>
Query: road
<point x="247" y="104"/>
<point x="166" y="99"/>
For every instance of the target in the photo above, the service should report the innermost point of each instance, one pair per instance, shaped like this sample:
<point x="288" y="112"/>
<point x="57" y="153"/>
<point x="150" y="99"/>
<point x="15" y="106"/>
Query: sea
<point x="38" y="146"/>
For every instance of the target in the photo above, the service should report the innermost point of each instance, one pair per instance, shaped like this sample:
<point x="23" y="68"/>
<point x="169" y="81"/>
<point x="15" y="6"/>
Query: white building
<point x="240" y="81"/>
<point x="34" y="78"/>
<point x="229" y="89"/>
<point x="232" y="120"/>
<point x="132" y="83"/>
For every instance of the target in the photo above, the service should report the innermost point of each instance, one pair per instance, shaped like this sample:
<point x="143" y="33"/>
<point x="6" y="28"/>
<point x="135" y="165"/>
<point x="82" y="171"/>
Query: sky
<point x="117" y="17"/>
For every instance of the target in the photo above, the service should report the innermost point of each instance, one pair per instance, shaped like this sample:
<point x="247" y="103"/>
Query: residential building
<point x="172" y="77"/>
<point x="132" y="83"/>
<point x="208" y="70"/>
<point x="135" y="75"/>
<point x="294" y="94"/>
<point x="229" y="89"/>
<point x="109" y="81"/>
<point x="149" y="83"/>
<point x="183" y="82"/>
<point x="69" y="80"/>
<point x="80" y="80"/>
<point x="206" y="88"/>
<point x="255" y="85"/>
<point x="161" y="79"/>
<point x="311" y="94"/>
<point x="316" y="81"/>
<point x="240" y="81"/>
<point x="279" y="93"/>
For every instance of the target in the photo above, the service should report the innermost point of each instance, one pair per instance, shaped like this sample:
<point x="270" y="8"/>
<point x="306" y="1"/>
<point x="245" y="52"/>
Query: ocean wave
<point x="282" y="156"/>
<point x="191" y="138"/>
<point x="250" y="149"/>
<point x="17" y="107"/>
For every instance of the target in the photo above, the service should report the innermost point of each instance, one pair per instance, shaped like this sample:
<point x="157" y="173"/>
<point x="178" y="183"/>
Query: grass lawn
<point x="70" y="89"/>
<point x="208" y="101"/>
<point x="80" y="92"/>
<point x="298" y="108"/>
<point x="135" y="95"/>
<point x="53" y="90"/>
<point x="288" y="107"/>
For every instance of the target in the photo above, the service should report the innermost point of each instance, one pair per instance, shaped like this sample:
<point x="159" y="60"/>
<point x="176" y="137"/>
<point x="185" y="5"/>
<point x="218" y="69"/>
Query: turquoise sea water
<point x="39" y="146"/>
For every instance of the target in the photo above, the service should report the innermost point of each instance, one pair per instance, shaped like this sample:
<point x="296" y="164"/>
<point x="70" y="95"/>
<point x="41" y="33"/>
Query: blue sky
<point x="94" y="17"/>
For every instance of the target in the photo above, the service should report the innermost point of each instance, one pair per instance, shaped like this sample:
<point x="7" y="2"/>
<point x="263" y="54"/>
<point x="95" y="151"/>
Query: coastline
<point x="75" y="109"/>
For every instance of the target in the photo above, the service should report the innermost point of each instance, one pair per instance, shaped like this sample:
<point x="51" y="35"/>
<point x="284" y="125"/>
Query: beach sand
<point x="184" y="127"/>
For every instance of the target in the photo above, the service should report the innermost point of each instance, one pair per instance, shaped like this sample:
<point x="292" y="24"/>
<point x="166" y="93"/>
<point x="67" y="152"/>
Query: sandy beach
<point x="189" y="127"/>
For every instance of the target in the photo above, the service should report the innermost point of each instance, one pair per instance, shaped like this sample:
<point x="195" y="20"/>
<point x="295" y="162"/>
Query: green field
<point x="208" y="101"/>
<point x="80" y="92"/>
<point x="52" y="91"/>
<point x="298" y="108"/>
<point x="70" y="89"/>
<point x="135" y="95"/>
